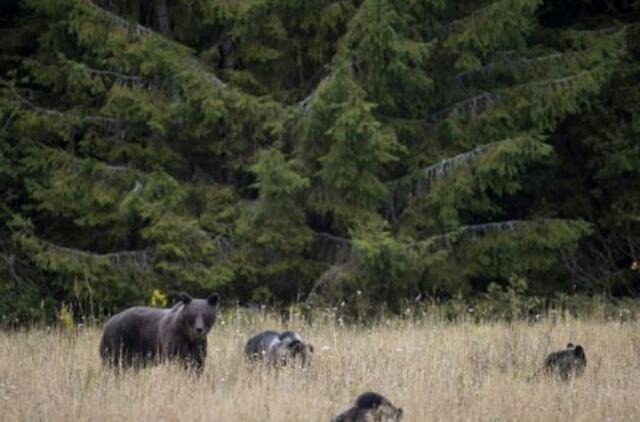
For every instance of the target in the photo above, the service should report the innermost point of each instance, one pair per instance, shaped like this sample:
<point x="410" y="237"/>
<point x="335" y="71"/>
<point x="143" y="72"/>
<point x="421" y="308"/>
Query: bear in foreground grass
<point x="279" y="349"/>
<point x="140" y="335"/>
<point x="370" y="406"/>
<point x="566" y="364"/>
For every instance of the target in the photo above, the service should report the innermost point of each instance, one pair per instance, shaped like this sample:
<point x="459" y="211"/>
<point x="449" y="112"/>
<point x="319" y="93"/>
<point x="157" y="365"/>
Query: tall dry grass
<point x="435" y="371"/>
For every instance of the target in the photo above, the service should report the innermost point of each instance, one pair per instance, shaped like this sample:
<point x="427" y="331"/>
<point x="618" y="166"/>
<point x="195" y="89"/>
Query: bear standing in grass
<point x="141" y="335"/>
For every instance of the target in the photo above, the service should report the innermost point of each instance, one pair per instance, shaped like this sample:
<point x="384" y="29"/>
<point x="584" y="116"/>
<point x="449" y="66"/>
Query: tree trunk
<point x="162" y="17"/>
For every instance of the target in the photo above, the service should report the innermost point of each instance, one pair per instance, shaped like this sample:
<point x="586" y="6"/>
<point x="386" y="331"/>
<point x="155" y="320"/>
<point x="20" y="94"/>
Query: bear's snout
<point x="200" y="328"/>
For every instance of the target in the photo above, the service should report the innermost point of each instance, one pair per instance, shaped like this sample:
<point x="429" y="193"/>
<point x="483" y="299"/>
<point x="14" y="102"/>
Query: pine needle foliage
<point x="361" y="151"/>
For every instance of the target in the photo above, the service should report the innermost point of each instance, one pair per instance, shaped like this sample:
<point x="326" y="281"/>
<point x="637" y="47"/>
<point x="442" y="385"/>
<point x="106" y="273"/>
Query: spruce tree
<point x="282" y="150"/>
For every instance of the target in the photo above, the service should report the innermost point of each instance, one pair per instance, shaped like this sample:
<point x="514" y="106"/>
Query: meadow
<point x="433" y="369"/>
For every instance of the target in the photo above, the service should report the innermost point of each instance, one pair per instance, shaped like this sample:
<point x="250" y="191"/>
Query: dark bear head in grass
<point x="301" y="351"/>
<point x="198" y="315"/>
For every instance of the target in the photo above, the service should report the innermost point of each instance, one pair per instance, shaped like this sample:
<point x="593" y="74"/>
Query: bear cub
<point x="141" y="335"/>
<point x="371" y="406"/>
<point x="279" y="349"/>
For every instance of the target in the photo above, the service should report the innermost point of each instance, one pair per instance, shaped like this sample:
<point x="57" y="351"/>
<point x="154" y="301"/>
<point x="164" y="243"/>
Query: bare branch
<point x="479" y="230"/>
<point x="137" y="187"/>
<point x="479" y="103"/>
<point x="116" y="75"/>
<point x="482" y="229"/>
<point x="140" y="257"/>
<point x="208" y="75"/>
<point x="425" y="177"/>
<point x="466" y="76"/>
<point x="332" y="249"/>
<point x="304" y="104"/>
<point x="609" y="30"/>
<point x="8" y="121"/>
<point x="139" y="30"/>
<point x="434" y="242"/>
<point x="134" y="28"/>
<point x="92" y="254"/>
<point x="113" y="167"/>
<point x="10" y="262"/>
<point x="428" y="175"/>
<point x="553" y="83"/>
<point x="603" y="258"/>
<point x="470" y="106"/>
<point x="475" y="230"/>
<point x="57" y="113"/>
<point x="340" y="240"/>
<point x="224" y="245"/>
<point x="444" y="167"/>
<point x="330" y="275"/>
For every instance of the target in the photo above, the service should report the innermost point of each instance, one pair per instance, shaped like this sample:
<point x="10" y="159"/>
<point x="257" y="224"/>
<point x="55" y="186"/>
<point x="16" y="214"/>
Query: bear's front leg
<point x="193" y="358"/>
<point x="199" y="357"/>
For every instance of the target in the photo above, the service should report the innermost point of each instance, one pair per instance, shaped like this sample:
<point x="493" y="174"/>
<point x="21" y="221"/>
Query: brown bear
<point x="140" y="335"/>
<point x="566" y="364"/>
<point x="279" y="349"/>
<point x="370" y="406"/>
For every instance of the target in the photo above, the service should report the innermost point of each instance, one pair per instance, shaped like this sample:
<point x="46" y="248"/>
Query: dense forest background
<point x="366" y="152"/>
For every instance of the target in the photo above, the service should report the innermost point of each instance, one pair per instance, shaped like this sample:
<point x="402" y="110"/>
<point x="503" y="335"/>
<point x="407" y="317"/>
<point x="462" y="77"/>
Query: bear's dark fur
<point x="279" y="348"/>
<point x="139" y="336"/>
<point x="370" y="406"/>
<point x="566" y="364"/>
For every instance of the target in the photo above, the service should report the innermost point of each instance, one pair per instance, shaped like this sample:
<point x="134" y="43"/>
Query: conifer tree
<point x="283" y="149"/>
<point x="273" y="229"/>
<point x="357" y="148"/>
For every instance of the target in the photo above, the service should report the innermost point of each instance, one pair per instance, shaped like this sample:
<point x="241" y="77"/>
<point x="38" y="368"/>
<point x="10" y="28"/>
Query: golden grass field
<point x="433" y="370"/>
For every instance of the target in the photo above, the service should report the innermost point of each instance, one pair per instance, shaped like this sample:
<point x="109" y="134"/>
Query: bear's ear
<point x="185" y="298"/>
<point x="214" y="299"/>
